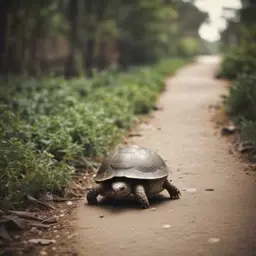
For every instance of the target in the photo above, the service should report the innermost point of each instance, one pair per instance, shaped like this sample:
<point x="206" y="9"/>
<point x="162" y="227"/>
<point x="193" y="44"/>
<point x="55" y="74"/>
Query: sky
<point x="214" y="8"/>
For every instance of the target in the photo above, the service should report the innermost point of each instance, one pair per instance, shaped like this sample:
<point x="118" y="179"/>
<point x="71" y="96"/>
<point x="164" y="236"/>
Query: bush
<point x="189" y="46"/>
<point x="47" y="122"/>
<point x="241" y="102"/>
<point x="24" y="169"/>
<point x="239" y="59"/>
<point x="241" y="105"/>
<point x="248" y="132"/>
<point x="239" y="64"/>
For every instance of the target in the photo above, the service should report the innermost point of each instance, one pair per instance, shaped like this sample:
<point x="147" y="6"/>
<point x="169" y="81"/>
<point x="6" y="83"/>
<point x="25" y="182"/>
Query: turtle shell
<point x="132" y="162"/>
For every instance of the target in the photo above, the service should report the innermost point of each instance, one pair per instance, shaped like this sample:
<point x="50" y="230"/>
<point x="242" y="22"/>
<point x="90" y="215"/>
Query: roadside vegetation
<point x="75" y="75"/>
<point x="46" y="123"/>
<point x="239" y="66"/>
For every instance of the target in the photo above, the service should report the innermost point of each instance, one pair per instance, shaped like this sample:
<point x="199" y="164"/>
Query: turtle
<point x="132" y="171"/>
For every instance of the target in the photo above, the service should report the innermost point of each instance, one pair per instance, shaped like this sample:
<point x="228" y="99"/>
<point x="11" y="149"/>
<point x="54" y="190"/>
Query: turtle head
<point x="120" y="189"/>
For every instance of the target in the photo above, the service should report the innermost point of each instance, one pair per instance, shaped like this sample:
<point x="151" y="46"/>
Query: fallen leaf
<point x="42" y="241"/>
<point x="213" y="240"/>
<point x="72" y="235"/>
<point x="166" y="226"/>
<point x="34" y="200"/>
<point x="51" y="220"/>
<point x="190" y="190"/>
<point x="156" y="108"/>
<point x="209" y="189"/>
<point x="135" y="134"/>
<point x="26" y="215"/>
<point x="38" y="225"/>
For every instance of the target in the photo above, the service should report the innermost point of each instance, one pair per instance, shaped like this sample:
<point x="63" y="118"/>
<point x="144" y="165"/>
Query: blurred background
<point x="72" y="37"/>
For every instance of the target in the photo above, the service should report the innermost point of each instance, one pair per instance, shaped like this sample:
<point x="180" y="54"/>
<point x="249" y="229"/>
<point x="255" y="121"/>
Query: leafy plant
<point x="45" y="123"/>
<point x="239" y="59"/>
<point x="242" y="98"/>
<point x="239" y="64"/>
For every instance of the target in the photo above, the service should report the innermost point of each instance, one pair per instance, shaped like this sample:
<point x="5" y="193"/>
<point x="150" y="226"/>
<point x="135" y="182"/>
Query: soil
<point x="216" y="214"/>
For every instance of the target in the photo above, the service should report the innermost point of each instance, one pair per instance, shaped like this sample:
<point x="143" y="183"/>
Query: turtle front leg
<point x="93" y="193"/>
<point x="141" y="197"/>
<point x="172" y="190"/>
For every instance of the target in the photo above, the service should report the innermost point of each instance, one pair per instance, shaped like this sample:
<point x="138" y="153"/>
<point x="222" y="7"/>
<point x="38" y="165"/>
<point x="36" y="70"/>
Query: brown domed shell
<point x="132" y="162"/>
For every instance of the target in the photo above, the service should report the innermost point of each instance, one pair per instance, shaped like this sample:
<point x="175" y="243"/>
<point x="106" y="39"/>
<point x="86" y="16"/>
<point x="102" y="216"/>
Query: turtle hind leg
<point x="92" y="194"/>
<point x="172" y="190"/>
<point x="141" y="197"/>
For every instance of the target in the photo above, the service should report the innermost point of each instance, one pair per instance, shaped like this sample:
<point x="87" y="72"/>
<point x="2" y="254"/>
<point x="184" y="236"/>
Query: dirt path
<point x="183" y="134"/>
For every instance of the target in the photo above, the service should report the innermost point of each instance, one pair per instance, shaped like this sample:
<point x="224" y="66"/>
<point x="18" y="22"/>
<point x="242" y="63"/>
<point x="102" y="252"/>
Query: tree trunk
<point x="92" y="55"/>
<point x="89" y="56"/>
<point x="71" y="68"/>
<point x="4" y="11"/>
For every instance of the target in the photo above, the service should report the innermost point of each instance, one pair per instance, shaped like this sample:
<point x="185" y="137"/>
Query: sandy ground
<point x="218" y="222"/>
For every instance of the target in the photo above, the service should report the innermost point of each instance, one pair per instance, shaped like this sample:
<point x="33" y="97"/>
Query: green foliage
<point x="148" y="30"/>
<point x="248" y="132"/>
<point x="48" y="122"/>
<point x="239" y="59"/>
<point x="189" y="46"/>
<point x="168" y="67"/>
<point x="239" y="64"/>
<point x="90" y="34"/>
<point x="241" y="105"/>
<point x="208" y="47"/>
<point x="242" y="98"/>
<point x="24" y="169"/>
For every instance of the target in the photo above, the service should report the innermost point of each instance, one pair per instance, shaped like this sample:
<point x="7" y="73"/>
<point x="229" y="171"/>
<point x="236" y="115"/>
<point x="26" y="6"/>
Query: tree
<point x="4" y="10"/>
<point x="96" y="32"/>
<point x="72" y="17"/>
